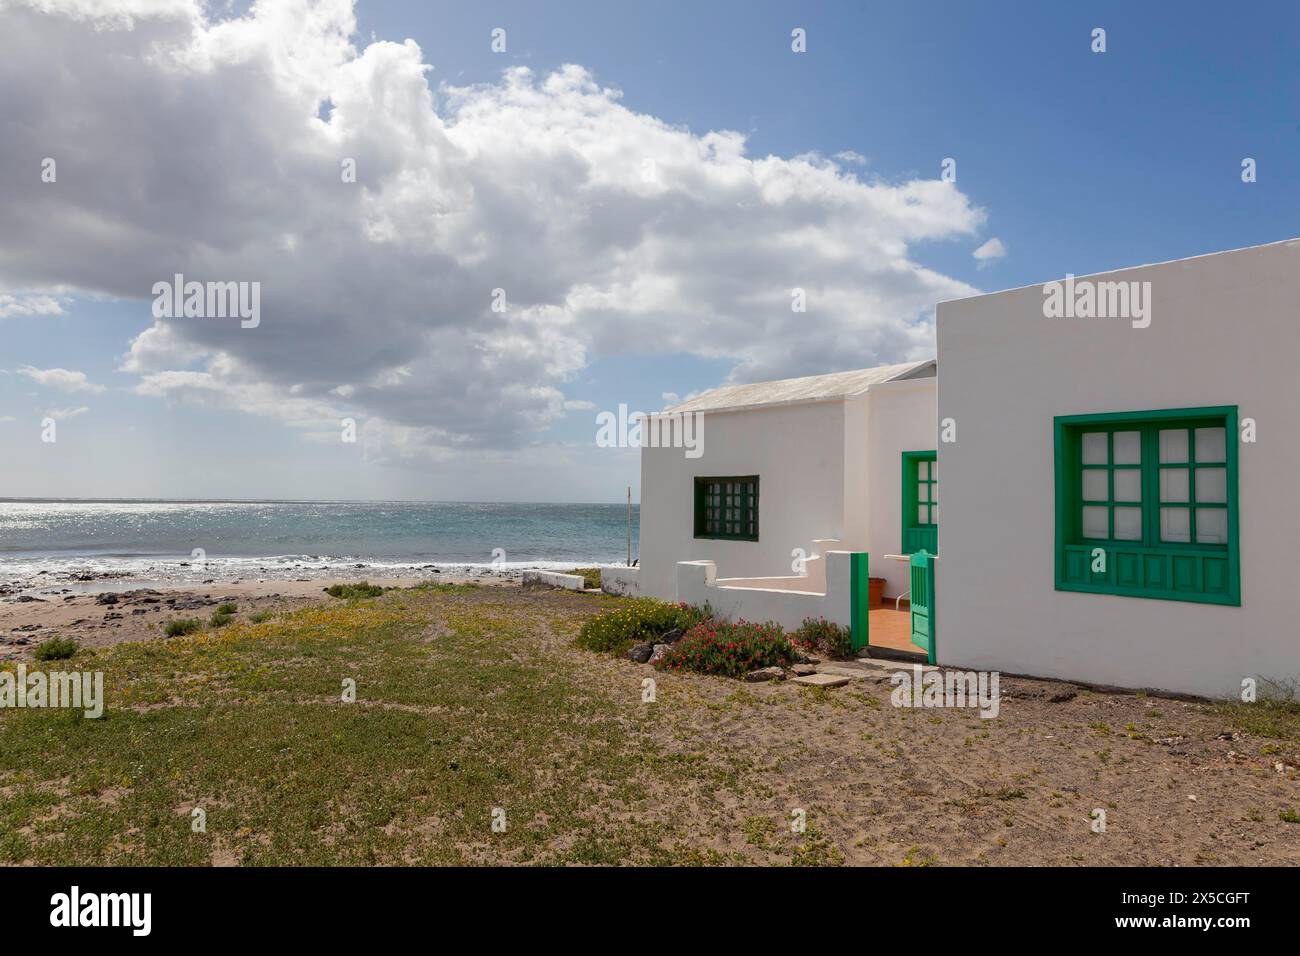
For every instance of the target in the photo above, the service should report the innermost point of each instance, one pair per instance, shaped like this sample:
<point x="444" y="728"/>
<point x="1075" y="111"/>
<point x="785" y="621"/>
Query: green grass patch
<point x="463" y="704"/>
<point x="1274" y="717"/>
<point x="180" y="626"/>
<point x="639" y="620"/>
<point x="590" y="576"/>
<point x="55" y="649"/>
<point x="350" y="592"/>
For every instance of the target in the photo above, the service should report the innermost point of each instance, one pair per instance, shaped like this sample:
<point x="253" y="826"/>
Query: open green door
<point x="923" y="602"/>
<point x="859" y="599"/>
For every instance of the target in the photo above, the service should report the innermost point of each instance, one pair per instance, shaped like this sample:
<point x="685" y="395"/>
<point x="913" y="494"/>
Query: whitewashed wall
<point x="697" y="584"/>
<point x="901" y="417"/>
<point x="798" y="453"/>
<point x="1225" y="330"/>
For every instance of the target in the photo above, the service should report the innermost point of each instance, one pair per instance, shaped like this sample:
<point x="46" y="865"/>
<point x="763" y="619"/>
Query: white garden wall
<point x="698" y="584"/>
<point x="1225" y="330"/>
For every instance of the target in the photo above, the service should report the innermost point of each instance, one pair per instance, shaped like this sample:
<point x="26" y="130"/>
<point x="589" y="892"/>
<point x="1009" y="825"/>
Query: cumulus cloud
<point x="11" y="305"/>
<point x="497" y="239"/>
<point x="65" y="380"/>
<point x="990" y="252"/>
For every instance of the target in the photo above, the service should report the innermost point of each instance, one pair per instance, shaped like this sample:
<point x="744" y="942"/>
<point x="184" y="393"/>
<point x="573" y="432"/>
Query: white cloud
<point x="578" y="405"/>
<point x="990" y="252"/>
<point x="65" y="380"/>
<point x="62" y="413"/>
<point x="14" y="305"/>
<point x="610" y="231"/>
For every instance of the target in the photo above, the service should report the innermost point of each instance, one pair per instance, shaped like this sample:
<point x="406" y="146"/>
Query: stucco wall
<point x="901" y="417"/>
<point x="1225" y="330"/>
<point x="798" y="453"/>
<point x="697" y="583"/>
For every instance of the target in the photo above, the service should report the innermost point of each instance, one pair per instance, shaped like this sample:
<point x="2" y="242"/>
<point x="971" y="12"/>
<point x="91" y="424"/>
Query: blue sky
<point x="1077" y="162"/>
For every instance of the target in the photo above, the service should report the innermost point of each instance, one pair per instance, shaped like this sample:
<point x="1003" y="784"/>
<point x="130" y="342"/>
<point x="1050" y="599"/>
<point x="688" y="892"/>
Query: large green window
<point x="920" y="502"/>
<point x="727" y="508"/>
<point x="1146" y="504"/>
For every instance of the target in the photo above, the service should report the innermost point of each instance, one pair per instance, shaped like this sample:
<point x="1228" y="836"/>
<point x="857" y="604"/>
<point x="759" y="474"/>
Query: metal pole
<point x="629" y="526"/>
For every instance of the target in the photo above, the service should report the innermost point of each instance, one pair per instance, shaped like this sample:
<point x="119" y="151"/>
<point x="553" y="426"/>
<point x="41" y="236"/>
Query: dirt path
<point x="881" y="785"/>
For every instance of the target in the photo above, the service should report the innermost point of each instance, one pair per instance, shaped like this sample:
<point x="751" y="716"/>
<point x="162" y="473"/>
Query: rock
<point x="673" y="636"/>
<point x="822" y="680"/>
<point x="765" y="673"/>
<point x="106" y="599"/>
<point x="801" y="658"/>
<point x="28" y="599"/>
<point x="640" y="653"/>
<point x="659" y="653"/>
<point x="802" y="670"/>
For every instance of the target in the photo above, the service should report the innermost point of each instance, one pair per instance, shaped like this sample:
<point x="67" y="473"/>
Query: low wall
<point x="698" y="583"/>
<point x="554" y="579"/>
<point x="620" y="580"/>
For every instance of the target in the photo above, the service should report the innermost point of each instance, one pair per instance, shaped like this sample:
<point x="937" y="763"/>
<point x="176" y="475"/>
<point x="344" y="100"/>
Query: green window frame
<point x="727" y="508"/>
<point x="920" y="502"/>
<point x="1156" y="492"/>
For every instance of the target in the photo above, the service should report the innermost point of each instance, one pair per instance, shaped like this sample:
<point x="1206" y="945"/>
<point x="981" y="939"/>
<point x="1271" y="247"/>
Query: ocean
<point x="47" y="540"/>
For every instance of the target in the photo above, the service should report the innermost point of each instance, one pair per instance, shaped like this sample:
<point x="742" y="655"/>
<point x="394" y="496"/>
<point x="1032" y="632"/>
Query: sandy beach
<point x="110" y="611"/>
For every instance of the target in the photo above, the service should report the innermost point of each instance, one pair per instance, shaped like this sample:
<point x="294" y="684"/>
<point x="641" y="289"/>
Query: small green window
<point x="1146" y="504"/>
<point x="727" y="508"/>
<point x="920" y="502"/>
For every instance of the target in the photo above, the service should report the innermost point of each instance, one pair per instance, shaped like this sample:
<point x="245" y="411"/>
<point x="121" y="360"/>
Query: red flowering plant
<point x="729" y="649"/>
<point x="824" y="637"/>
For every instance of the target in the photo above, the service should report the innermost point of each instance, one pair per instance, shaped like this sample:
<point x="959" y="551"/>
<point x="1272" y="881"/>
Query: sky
<point x="473" y="227"/>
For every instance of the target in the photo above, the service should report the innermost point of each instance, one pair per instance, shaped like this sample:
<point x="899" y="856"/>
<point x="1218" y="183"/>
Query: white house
<point x="1117" y="457"/>
<point x="788" y="472"/>
<point x="1117" y="504"/>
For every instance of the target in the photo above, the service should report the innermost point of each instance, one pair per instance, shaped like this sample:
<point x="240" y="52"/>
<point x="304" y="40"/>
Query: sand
<point x="106" y="612"/>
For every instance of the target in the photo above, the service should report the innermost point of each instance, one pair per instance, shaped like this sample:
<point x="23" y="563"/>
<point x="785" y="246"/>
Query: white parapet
<point x="697" y="583"/>
<point x="554" y="579"/>
<point x="620" y="580"/>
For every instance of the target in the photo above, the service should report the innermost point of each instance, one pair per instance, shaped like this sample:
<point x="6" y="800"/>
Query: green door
<point x="923" y="602"/>
<point x="920" y="502"/>
<point x="859" y="599"/>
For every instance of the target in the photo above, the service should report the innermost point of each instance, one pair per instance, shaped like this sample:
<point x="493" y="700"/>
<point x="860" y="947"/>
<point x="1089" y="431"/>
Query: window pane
<point x="1209" y="445"/>
<point x="1128" y="484"/>
<point x="1128" y="524"/>
<point x="923" y="470"/>
<point x="923" y="492"/>
<point x="1173" y="445"/>
<point x="1096" y="523"/>
<point x="1094" y="484"/>
<point x="1128" y="448"/>
<point x="1094" y="448"/>
<point x="934" y="514"/>
<point x="1211" y="526"/>
<point x="934" y="471"/>
<point x="1175" y="525"/>
<point x="922" y="514"/>
<point x="1173" y="484"/>
<point x="1212" y="484"/>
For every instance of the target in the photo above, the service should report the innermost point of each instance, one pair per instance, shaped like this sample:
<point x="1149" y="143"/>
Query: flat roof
<point x="1145" y="265"/>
